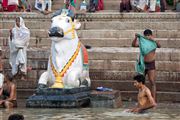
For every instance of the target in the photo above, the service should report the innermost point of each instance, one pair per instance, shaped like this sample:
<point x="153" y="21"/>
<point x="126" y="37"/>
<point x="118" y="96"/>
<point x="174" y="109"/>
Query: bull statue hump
<point x="68" y="59"/>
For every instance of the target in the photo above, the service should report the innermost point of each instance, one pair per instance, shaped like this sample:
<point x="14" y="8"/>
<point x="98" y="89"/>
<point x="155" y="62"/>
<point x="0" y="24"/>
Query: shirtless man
<point x="149" y="60"/>
<point x="145" y="99"/>
<point x="8" y="93"/>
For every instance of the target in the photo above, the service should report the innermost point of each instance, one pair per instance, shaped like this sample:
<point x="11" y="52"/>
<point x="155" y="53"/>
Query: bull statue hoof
<point x="67" y="65"/>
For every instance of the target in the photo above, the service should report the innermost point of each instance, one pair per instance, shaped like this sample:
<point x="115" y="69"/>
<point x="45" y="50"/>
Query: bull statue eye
<point x="67" y="20"/>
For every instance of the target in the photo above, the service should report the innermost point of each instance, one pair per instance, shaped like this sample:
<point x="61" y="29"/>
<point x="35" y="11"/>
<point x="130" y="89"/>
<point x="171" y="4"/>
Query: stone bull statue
<point x="68" y="60"/>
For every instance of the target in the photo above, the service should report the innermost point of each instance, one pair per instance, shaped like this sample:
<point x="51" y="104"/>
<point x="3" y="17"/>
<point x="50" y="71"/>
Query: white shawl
<point x="18" y="46"/>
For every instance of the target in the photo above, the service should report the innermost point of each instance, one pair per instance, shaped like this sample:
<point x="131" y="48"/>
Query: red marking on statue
<point x="85" y="54"/>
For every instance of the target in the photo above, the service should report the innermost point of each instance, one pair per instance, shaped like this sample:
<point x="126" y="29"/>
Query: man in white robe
<point x="18" y="43"/>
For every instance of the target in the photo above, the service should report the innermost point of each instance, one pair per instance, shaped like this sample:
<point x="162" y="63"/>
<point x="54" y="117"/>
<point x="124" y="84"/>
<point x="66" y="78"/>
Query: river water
<point x="162" y="112"/>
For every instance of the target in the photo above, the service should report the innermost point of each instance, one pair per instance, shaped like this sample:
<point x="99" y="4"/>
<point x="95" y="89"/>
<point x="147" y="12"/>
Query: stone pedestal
<point x="59" y="98"/>
<point x="108" y="99"/>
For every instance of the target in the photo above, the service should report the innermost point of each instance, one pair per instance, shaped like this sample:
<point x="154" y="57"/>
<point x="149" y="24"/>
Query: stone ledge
<point x="110" y="99"/>
<point x="62" y="98"/>
<point x="97" y="15"/>
<point x="58" y="91"/>
<point x="171" y="97"/>
<point x="56" y="101"/>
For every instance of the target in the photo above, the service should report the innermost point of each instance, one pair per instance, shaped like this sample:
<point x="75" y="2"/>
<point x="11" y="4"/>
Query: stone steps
<point x="165" y="66"/>
<point x="39" y="33"/>
<point x="111" y="57"/>
<point x="107" y="53"/>
<point x="122" y="59"/>
<point x="24" y="93"/>
<point x="126" y="95"/>
<point x="129" y="85"/>
<point x="161" y="96"/>
<point x="126" y="33"/>
<point x="130" y="25"/>
<point x="95" y="25"/>
<point x="101" y="16"/>
<point x="129" y="66"/>
<point x="29" y="24"/>
<point x="122" y="85"/>
<point x="119" y="75"/>
<point x="98" y="42"/>
<point x="127" y="17"/>
<point x="126" y="42"/>
<point x="106" y="77"/>
<point x="130" y="54"/>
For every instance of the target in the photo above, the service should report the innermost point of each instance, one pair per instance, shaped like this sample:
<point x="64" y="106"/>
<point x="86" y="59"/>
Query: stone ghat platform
<point x="112" y="58"/>
<point x="59" y="98"/>
<point x="101" y="15"/>
<point x="74" y="98"/>
<point x="108" y="99"/>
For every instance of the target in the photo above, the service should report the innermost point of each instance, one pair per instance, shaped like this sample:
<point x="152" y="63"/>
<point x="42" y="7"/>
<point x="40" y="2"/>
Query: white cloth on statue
<point x="1" y="80"/>
<point x="18" y="47"/>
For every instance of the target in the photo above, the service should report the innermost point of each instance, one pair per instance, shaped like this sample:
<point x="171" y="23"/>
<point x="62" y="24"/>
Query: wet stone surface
<point x="162" y="112"/>
<point x="108" y="99"/>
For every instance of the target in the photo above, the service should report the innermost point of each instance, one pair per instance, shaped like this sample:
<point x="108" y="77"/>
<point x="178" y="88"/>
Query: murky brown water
<point x="164" y="112"/>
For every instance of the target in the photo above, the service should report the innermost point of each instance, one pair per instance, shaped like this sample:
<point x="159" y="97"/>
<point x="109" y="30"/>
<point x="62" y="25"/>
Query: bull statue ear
<point x="77" y="24"/>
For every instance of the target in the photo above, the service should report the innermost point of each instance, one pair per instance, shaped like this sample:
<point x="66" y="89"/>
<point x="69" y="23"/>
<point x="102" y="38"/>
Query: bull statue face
<point x="63" y="27"/>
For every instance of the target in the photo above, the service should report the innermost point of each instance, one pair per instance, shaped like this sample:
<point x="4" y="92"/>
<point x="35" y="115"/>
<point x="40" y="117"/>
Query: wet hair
<point x="9" y="76"/>
<point x="16" y="117"/>
<point x="147" y="32"/>
<point x="139" y="78"/>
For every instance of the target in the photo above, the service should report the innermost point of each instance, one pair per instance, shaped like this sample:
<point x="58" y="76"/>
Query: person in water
<point x="145" y="99"/>
<point x="149" y="58"/>
<point x="8" y="92"/>
<point x="16" y="117"/>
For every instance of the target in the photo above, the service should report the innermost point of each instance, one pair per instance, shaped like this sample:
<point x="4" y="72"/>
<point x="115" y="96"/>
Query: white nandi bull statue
<point x="68" y="60"/>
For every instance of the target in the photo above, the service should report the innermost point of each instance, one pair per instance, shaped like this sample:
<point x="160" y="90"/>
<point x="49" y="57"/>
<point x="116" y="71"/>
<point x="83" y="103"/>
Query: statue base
<point x="59" y="98"/>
